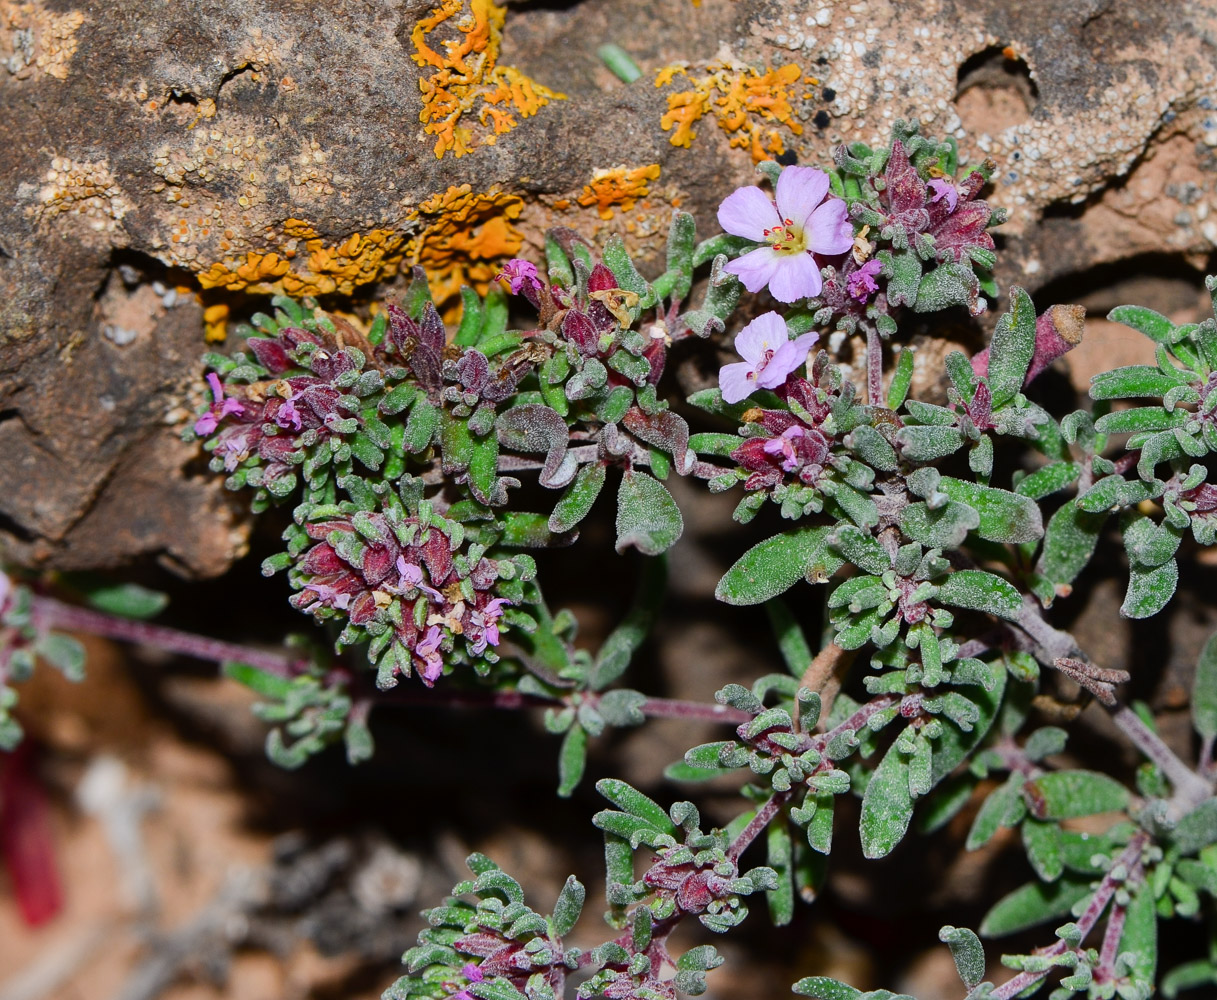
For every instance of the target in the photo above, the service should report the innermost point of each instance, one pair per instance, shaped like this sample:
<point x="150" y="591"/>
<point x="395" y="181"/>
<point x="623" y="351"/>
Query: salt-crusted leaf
<point x="1048" y="480"/>
<point x="1139" y="942"/>
<point x="577" y="501"/>
<point x="1004" y="516"/>
<point x="1154" y="325"/>
<point x="647" y="516"/>
<point x="887" y="805"/>
<point x="1067" y="794"/>
<point x="531" y="427"/>
<point x="1133" y="381"/>
<point x="979" y="590"/>
<point x="1204" y="692"/>
<point x="1012" y="348"/>
<point x="1149" y="589"/>
<point x="968" y="954"/>
<point x="775" y="565"/>
<point x="569" y="906"/>
<point x="1032" y="904"/>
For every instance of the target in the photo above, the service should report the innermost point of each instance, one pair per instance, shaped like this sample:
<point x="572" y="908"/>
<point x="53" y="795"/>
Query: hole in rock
<point x="995" y="91"/>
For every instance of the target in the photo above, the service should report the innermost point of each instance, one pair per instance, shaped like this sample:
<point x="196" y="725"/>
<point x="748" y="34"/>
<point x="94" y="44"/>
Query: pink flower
<point x="474" y="975"/>
<point x="802" y="224"/>
<point x="411" y="575"/>
<point x="769" y="357"/>
<point x="288" y="416"/>
<point x="209" y="421"/>
<point x="943" y="188"/>
<point x="428" y="651"/>
<point x="861" y="283"/>
<point x="783" y="445"/>
<point x="488" y="619"/>
<point x="519" y="273"/>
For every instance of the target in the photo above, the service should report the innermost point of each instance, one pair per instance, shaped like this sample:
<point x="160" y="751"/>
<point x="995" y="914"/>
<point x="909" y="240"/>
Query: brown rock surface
<point x="258" y="147"/>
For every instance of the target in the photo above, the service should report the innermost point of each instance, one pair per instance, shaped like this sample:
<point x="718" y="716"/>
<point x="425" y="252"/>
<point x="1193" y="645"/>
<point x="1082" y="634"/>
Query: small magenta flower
<point x="488" y="619"/>
<point x="861" y="284"/>
<point x="209" y="421"/>
<point x="287" y="416"/>
<point x="428" y="651"/>
<point x="411" y="575"/>
<point x="519" y="273"/>
<point x="802" y="224"/>
<point x="474" y="975"/>
<point x="769" y="357"/>
<point x="784" y="445"/>
<point x="943" y="188"/>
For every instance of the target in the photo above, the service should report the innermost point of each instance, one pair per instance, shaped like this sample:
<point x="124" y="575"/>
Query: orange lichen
<point x="619" y="186"/>
<point x="750" y="106"/>
<point x="469" y="100"/>
<point x="465" y="239"/>
<point x="341" y="267"/>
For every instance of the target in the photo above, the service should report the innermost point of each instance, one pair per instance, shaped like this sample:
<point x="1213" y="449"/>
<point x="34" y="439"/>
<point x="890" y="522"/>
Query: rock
<point x="232" y="149"/>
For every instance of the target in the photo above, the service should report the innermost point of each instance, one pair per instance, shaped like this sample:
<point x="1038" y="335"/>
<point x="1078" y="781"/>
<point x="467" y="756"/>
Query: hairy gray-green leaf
<point x="927" y="443"/>
<point x="1012" y="348"/>
<point x="1204" y="691"/>
<point x="980" y="590"/>
<point x="1004" y="516"/>
<point x="944" y="528"/>
<point x="569" y="906"/>
<point x="1067" y="794"/>
<point x="578" y="498"/>
<point x="775" y="565"/>
<point x="1134" y="381"/>
<point x="887" y="806"/>
<point x="1032" y="904"/>
<point x="1048" y="480"/>
<point x="647" y="516"/>
<point x="1154" y="325"/>
<point x="1149" y="589"/>
<point x="968" y="954"/>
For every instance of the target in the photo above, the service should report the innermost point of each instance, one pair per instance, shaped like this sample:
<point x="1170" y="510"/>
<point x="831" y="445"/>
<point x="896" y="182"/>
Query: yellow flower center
<point x="786" y="238"/>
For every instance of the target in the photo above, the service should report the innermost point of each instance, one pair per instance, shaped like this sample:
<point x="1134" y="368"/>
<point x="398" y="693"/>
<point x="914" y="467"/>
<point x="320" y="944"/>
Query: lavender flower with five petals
<point x="769" y="357"/>
<point x="803" y="223"/>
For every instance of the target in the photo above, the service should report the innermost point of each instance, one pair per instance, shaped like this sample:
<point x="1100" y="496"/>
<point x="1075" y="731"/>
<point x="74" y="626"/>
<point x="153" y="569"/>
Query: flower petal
<point x="788" y="358"/>
<point x="799" y="192"/>
<point x="765" y="333"/>
<point x="829" y="230"/>
<point x="797" y="276"/>
<point x="748" y="212"/>
<point x="735" y="382"/>
<point x="755" y="268"/>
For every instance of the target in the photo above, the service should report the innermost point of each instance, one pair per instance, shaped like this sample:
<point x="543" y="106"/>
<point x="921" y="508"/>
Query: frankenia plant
<point x="927" y="548"/>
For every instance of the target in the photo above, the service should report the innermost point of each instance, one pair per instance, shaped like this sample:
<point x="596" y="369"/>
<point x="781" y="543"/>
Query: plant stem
<point x="1190" y="788"/>
<point x="1129" y="862"/>
<point x="672" y="708"/>
<point x="762" y="819"/>
<point x="48" y="613"/>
